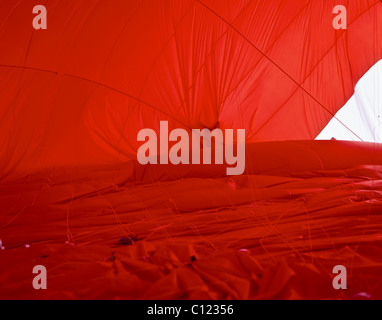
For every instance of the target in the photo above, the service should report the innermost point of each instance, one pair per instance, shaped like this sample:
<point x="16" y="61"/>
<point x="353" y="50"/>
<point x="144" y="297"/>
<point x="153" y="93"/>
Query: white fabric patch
<point x="362" y="114"/>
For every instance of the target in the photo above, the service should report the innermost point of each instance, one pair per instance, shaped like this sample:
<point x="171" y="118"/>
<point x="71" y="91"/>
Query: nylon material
<point x="278" y="219"/>
<point x="187" y="63"/>
<point x="361" y="113"/>
<point x="74" y="97"/>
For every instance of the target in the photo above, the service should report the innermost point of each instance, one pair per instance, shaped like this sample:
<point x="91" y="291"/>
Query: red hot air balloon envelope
<point x="75" y="200"/>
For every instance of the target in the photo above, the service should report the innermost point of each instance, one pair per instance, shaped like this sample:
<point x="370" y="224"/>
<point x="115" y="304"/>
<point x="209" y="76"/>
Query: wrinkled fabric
<point x="79" y="92"/>
<point x="131" y="233"/>
<point x="73" y="198"/>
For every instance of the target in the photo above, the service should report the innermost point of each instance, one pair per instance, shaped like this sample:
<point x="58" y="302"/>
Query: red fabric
<point x="74" y="96"/>
<point x="301" y="209"/>
<point x="79" y="92"/>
